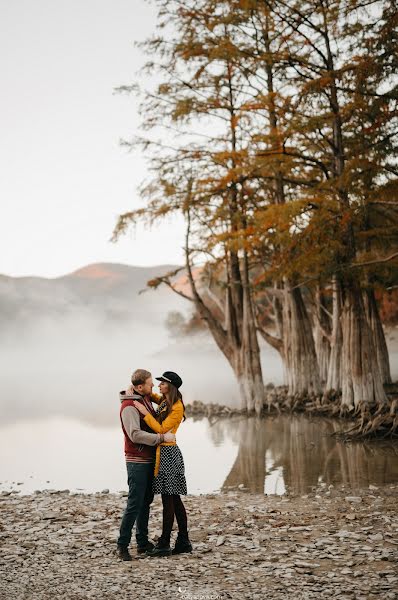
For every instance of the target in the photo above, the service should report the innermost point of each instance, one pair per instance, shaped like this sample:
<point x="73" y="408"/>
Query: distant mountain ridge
<point x="108" y="290"/>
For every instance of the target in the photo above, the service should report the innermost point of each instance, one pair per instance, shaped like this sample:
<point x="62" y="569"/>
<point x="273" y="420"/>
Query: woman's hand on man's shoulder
<point x="141" y="408"/>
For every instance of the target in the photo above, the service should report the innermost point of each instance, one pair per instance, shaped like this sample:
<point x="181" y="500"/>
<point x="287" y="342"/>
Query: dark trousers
<point x="173" y="505"/>
<point x="139" y="477"/>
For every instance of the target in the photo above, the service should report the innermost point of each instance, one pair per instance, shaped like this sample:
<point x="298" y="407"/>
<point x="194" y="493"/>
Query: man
<point x="140" y="450"/>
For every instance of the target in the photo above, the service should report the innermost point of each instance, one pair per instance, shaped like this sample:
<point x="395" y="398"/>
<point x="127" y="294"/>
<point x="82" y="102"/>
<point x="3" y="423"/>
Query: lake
<point x="60" y="427"/>
<point x="274" y="455"/>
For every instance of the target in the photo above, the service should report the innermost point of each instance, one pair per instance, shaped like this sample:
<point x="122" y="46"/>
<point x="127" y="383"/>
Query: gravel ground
<point x="61" y="545"/>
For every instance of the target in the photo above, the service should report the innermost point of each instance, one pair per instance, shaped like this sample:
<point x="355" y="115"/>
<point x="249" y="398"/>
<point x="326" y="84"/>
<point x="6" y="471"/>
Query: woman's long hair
<point x="174" y="395"/>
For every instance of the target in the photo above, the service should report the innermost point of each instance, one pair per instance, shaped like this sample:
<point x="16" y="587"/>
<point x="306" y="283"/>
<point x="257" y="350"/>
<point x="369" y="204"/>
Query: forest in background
<point x="271" y="126"/>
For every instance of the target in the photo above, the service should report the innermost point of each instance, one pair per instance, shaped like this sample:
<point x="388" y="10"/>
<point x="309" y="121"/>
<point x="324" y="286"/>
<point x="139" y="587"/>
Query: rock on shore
<point x="328" y="544"/>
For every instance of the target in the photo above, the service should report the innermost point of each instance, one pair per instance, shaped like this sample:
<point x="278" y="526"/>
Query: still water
<point x="274" y="455"/>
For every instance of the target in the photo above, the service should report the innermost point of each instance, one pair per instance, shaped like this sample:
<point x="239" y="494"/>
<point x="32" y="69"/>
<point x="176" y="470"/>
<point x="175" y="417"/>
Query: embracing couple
<point x="154" y="463"/>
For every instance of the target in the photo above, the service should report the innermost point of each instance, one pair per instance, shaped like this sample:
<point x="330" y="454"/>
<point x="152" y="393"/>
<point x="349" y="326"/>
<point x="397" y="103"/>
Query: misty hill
<point x="109" y="291"/>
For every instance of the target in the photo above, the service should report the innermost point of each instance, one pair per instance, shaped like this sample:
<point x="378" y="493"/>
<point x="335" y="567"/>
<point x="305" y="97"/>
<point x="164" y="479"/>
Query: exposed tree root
<point x="367" y="421"/>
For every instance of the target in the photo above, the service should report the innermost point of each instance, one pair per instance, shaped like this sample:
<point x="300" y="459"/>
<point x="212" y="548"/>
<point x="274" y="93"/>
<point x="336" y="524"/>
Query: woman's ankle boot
<point x="182" y="544"/>
<point x="162" y="548"/>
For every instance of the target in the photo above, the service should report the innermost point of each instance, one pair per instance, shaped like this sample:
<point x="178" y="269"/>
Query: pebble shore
<point x="329" y="543"/>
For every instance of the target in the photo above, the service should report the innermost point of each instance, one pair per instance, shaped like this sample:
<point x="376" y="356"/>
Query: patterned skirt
<point x="171" y="476"/>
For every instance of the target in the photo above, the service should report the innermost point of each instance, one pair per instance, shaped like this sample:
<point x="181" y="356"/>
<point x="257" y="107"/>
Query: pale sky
<point x="64" y="177"/>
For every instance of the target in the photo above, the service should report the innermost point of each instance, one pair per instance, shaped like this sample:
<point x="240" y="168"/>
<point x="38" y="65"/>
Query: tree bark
<point x="243" y="358"/>
<point x="299" y="348"/>
<point x="362" y="383"/>
<point x="322" y="336"/>
<point x="244" y="353"/>
<point x="248" y="375"/>
<point x="333" y="381"/>
<point x="379" y="340"/>
<point x="252" y="382"/>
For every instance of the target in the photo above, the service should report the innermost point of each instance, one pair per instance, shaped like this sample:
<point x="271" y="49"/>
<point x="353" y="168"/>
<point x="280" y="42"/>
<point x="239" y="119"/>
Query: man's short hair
<point x="140" y="376"/>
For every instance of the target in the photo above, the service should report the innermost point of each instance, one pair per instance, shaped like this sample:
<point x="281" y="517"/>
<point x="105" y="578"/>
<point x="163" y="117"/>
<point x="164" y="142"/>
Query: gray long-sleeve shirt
<point x="131" y="423"/>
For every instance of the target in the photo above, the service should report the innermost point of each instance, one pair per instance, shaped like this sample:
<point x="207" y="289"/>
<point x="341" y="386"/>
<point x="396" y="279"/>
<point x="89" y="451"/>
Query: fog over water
<point x="77" y="367"/>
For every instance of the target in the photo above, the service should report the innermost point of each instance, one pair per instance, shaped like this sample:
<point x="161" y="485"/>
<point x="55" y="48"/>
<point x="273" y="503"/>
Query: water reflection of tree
<point x="360" y="464"/>
<point x="249" y="466"/>
<point x="217" y="431"/>
<point x="304" y="451"/>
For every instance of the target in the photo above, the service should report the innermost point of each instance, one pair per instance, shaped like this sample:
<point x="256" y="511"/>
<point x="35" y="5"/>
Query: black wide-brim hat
<point x="171" y="377"/>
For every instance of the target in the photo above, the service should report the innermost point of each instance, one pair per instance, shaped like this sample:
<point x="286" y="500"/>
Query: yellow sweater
<point x="171" y="423"/>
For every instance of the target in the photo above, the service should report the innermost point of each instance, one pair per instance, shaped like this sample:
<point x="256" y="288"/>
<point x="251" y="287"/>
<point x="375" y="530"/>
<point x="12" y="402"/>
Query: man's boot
<point x="182" y="545"/>
<point x="123" y="553"/>
<point x="162" y="548"/>
<point x="148" y="546"/>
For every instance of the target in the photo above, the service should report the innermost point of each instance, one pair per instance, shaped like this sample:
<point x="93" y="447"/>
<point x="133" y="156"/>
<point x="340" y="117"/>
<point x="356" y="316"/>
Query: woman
<point x="169" y="480"/>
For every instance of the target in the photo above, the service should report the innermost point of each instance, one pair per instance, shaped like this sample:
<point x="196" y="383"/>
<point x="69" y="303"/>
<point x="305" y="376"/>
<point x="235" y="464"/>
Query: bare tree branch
<point x="376" y="261"/>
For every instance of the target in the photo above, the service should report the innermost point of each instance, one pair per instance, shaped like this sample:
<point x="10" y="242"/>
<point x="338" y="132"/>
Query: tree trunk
<point x="322" y="336"/>
<point x="379" y="340"/>
<point x="252" y="380"/>
<point x="237" y="336"/>
<point x="247" y="370"/>
<point x="245" y="359"/>
<point x="278" y="312"/>
<point x="299" y="348"/>
<point x="333" y="381"/>
<point x="362" y="383"/>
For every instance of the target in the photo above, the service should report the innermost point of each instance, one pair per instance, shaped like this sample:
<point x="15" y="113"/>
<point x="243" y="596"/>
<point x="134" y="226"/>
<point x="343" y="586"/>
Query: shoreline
<point x="274" y="454"/>
<point x="327" y="543"/>
<point x="365" y="423"/>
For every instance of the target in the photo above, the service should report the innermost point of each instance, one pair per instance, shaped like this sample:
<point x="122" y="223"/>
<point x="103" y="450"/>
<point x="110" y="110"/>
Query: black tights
<point x="172" y="505"/>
